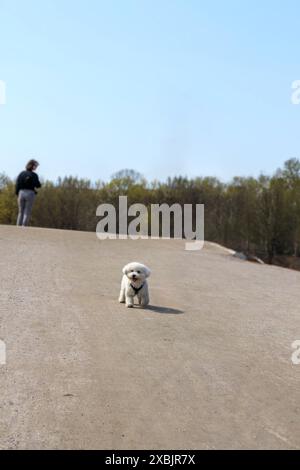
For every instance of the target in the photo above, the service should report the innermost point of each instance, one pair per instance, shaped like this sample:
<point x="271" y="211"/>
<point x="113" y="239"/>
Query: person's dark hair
<point x="31" y="164"/>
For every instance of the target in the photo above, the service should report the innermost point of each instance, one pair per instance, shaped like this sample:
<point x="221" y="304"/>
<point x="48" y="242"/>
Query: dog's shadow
<point x="164" y="310"/>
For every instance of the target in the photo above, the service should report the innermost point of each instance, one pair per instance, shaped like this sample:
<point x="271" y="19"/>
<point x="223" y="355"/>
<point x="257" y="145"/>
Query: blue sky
<point x="164" y="87"/>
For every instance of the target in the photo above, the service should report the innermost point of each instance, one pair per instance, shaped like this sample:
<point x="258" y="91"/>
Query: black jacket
<point x="27" y="180"/>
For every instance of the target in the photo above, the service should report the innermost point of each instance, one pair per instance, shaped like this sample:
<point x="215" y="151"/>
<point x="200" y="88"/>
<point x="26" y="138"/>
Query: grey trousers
<point x="25" y="202"/>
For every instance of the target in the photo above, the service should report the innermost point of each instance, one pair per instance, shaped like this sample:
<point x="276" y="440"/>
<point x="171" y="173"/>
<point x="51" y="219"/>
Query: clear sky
<point x="165" y="87"/>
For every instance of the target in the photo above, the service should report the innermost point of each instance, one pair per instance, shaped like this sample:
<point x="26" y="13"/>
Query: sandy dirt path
<point x="207" y="366"/>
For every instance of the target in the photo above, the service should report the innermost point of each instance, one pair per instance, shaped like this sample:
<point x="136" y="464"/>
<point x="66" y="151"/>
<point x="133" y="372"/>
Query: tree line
<point x="259" y="216"/>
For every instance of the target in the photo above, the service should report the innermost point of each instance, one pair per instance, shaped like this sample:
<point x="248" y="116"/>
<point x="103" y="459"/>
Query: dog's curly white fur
<point x="134" y="283"/>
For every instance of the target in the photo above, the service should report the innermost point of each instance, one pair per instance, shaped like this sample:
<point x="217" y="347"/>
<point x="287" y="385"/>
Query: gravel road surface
<point x="206" y="366"/>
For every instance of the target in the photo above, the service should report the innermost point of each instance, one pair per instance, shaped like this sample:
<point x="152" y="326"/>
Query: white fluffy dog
<point x="134" y="284"/>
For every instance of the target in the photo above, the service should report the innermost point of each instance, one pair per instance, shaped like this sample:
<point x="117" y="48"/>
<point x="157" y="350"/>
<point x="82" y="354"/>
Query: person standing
<point x="26" y="185"/>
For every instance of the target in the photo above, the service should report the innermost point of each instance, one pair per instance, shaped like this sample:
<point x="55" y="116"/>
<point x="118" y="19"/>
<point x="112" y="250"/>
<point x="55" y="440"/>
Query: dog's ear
<point x="147" y="271"/>
<point x="125" y="269"/>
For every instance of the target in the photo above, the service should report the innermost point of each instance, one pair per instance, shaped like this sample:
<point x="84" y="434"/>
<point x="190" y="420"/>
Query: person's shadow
<point x="164" y="310"/>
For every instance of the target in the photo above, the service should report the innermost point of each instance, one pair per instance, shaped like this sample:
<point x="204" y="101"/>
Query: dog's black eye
<point x="138" y="272"/>
<point x="131" y="271"/>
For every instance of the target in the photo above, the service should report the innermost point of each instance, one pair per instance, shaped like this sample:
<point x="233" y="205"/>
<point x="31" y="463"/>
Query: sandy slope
<point x="208" y="366"/>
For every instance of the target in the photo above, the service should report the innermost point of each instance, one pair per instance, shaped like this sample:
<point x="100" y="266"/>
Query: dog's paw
<point x="122" y="301"/>
<point x="129" y="305"/>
